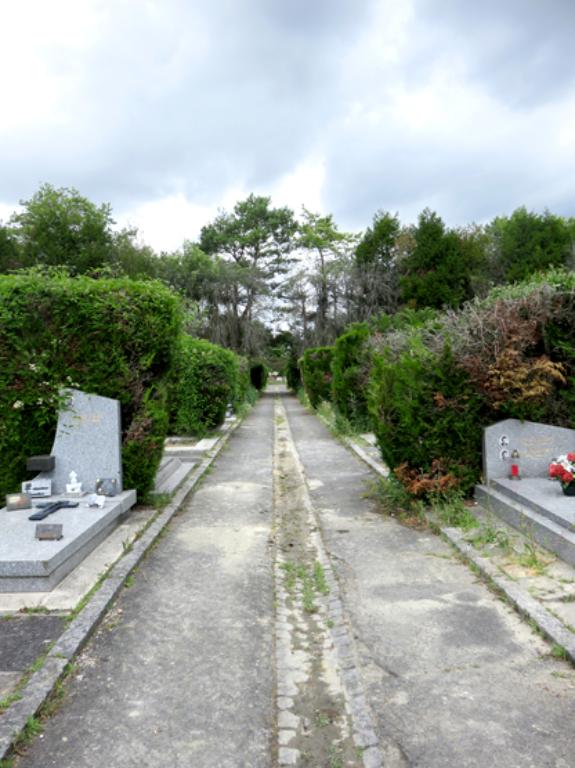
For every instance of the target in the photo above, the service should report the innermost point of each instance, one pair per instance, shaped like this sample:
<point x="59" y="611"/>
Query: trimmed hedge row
<point x="350" y="368"/>
<point x="431" y="382"/>
<point x="315" y="367"/>
<point x="115" y="338"/>
<point x="207" y="378"/>
<point x="259" y="373"/>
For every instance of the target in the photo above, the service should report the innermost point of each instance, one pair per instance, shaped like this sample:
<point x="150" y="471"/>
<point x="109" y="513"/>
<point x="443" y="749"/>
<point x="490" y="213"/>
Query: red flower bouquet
<point x="563" y="469"/>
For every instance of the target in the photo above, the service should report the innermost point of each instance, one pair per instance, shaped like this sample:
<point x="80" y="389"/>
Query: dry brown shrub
<point x="419" y="484"/>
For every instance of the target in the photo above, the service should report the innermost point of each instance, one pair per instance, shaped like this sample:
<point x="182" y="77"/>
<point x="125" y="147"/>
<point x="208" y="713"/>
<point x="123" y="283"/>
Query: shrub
<point x="259" y="375"/>
<point x="350" y="368"/>
<point x="316" y="374"/>
<point x="114" y="338"/>
<point x="433" y="387"/>
<point x="293" y="374"/>
<point x="207" y="378"/>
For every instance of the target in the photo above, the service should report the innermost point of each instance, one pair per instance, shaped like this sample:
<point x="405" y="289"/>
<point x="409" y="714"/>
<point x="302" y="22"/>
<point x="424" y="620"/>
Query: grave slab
<point x="29" y="565"/>
<point x="533" y="504"/>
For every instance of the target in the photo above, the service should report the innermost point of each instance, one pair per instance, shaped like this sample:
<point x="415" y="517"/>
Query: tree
<point x="319" y="236"/>
<point x="527" y="242"/>
<point x="438" y="271"/>
<point x="376" y="267"/>
<point x="10" y="256"/>
<point x="255" y="242"/>
<point x="61" y="227"/>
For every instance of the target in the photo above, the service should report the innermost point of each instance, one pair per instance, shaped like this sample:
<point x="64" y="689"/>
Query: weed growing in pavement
<point x="395" y="501"/>
<point x="450" y="509"/>
<point x="530" y="558"/>
<point x="488" y="533"/>
<point x="558" y="651"/>
<point x="321" y="584"/>
<point x="295" y="573"/>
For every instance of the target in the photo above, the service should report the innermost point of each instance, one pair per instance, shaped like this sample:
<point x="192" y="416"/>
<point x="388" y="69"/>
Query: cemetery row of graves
<point x="427" y="383"/>
<point x="117" y="338"/>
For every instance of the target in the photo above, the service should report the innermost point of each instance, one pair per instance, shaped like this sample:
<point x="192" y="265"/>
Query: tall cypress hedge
<point x="113" y="337"/>
<point x="350" y="367"/>
<point x="316" y="373"/>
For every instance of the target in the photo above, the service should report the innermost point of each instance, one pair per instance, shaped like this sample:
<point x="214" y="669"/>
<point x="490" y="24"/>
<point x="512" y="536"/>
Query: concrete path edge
<point x="44" y="681"/>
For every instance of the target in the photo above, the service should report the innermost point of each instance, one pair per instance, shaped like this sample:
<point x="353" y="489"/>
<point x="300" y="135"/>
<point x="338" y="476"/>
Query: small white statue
<point x="73" y="488"/>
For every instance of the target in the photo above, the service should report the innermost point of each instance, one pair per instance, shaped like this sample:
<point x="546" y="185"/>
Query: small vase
<point x="568" y="489"/>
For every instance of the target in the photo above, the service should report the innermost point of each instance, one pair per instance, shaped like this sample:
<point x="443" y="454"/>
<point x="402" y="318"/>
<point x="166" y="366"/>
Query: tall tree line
<point x="260" y="275"/>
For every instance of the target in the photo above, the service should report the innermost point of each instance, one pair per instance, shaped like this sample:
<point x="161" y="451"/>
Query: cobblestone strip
<point x="322" y="711"/>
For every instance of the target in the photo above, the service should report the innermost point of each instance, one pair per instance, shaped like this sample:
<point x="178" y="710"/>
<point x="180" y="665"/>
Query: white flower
<point x="33" y="367"/>
<point x="17" y="405"/>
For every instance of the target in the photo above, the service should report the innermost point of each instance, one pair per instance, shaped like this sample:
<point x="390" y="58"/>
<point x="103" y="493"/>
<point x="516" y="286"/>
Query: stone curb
<point x="551" y="627"/>
<point x="43" y="681"/>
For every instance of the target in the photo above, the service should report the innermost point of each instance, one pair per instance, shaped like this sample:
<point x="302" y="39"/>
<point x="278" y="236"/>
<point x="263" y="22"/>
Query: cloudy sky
<point x="171" y="109"/>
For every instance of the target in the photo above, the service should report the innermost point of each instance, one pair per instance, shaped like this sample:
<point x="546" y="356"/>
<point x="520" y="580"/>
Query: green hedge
<point x="114" y="338"/>
<point x="350" y="367"/>
<point x="293" y="374"/>
<point x="207" y="378"/>
<point x="259" y="375"/>
<point x="316" y="374"/>
<point x="434" y="387"/>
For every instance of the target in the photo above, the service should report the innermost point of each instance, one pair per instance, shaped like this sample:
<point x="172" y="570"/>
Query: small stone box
<point x="536" y="444"/>
<point x="40" y="463"/>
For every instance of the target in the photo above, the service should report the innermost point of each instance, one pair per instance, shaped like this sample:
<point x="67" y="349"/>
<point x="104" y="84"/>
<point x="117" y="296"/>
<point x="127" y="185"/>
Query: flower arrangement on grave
<point x="563" y="469"/>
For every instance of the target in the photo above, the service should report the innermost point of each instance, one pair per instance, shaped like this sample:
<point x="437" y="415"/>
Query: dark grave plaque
<point x="49" y="531"/>
<point x="40" y="463"/>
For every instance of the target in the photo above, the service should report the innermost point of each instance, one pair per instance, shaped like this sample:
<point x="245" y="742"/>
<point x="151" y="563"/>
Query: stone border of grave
<point x="551" y="627"/>
<point x="43" y="682"/>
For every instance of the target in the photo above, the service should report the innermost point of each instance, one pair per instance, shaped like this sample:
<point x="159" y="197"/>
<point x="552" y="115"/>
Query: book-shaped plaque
<point x="49" y="531"/>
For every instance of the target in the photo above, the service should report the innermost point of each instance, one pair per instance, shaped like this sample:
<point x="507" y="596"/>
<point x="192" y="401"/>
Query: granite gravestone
<point x="535" y="443"/>
<point x="87" y="442"/>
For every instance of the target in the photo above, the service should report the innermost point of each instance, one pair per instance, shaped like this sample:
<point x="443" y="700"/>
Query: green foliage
<point x="207" y="378"/>
<point x="350" y="367"/>
<point x="438" y="271"/>
<point x="114" y="338"/>
<point x="435" y="385"/>
<point x="259" y="375"/>
<point x="424" y="408"/>
<point x="254" y="242"/>
<point x="60" y="226"/>
<point x="293" y="374"/>
<point x="316" y="374"/>
<point x="527" y="242"/>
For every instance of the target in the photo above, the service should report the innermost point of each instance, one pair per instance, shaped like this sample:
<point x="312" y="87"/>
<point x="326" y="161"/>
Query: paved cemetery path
<point x="282" y="620"/>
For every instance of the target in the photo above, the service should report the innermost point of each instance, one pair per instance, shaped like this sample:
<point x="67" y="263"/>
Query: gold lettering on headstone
<point x="537" y="447"/>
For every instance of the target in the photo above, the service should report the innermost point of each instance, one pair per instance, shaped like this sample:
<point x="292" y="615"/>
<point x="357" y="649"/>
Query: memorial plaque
<point x="17" y="501"/>
<point x="49" y="531"/>
<point x="37" y="488"/>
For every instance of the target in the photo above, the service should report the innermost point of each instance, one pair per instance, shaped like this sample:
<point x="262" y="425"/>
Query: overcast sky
<point x="171" y="109"/>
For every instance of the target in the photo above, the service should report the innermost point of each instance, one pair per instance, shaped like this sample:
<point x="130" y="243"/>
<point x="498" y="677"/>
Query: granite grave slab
<point x="30" y="565"/>
<point x="533" y="503"/>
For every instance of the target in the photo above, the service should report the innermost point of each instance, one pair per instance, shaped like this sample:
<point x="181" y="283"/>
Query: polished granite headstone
<point x="87" y="442"/>
<point x="534" y="503"/>
<point x="536" y="444"/>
